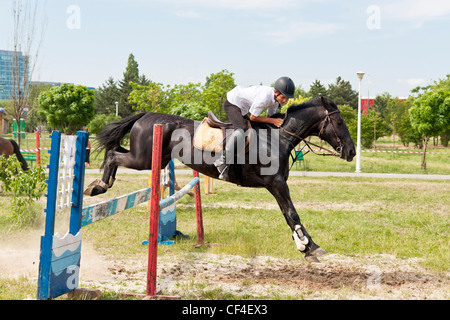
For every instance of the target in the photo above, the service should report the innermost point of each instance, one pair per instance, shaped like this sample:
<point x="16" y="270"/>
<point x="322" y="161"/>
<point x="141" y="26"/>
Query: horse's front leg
<point x="303" y="240"/>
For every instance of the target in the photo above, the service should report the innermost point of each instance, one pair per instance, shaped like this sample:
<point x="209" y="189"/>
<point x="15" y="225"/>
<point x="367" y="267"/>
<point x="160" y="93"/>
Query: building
<point x="14" y="66"/>
<point x="4" y="124"/>
<point x="366" y="103"/>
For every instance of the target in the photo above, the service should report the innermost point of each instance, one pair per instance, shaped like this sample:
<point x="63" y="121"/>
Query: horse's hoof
<point x="94" y="191"/>
<point x="95" y="188"/>
<point x="311" y="258"/>
<point x="318" y="252"/>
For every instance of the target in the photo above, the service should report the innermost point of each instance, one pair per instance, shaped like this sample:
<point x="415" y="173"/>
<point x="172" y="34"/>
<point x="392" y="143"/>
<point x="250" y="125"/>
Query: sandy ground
<point x="194" y="275"/>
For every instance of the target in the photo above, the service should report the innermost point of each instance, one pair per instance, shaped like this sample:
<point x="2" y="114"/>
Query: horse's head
<point x="320" y="117"/>
<point x="333" y="130"/>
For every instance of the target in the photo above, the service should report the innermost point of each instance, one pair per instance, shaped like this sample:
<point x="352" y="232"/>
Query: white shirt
<point x="254" y="99"/>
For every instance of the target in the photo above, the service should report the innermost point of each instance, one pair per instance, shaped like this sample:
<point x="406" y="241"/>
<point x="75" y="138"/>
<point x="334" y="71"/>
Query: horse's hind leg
<point x="100" y="186"/>
<point x="112" y="160"/>
<point x="113" y="170"/>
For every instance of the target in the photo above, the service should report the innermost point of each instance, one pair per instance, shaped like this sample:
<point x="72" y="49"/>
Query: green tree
<point x="182" y="93"/>
<point x="298" y="100"/>
<point x="350" y="117"/>
<point x="216" y="87"/>
<point x="67" y="107"/>
<point x="317" y="89"/>
<point x="407" y="133"/>
<point x="342" y="93"/>
<point x="376" y="128"/>
<point x="100" y="121"/>
<point x="186" y="101"/>
<point x="146" y="97"/>
<point x="381" y="103"/>
<point x="131" y="74"/>
<point x="368" y="123"/>
<point x="191" y="110"/>
<point x="299" y="91"/>
<point x="106" y="96"/>
<point x="430" y="116"/>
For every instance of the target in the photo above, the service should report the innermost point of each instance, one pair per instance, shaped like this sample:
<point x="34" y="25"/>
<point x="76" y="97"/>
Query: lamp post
<point x="117" y="108"/>
<point x="360" y="75"/>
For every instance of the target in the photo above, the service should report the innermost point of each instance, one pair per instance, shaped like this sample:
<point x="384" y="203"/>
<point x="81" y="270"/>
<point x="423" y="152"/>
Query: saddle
<point x="211" y="134"/>
<point x="213" y="122"/>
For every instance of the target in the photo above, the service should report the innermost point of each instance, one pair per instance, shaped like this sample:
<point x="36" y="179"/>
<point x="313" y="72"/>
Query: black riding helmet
<point x="285" y="86"/>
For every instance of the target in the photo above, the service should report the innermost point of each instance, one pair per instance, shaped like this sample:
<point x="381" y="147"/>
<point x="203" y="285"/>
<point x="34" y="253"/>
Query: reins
<point x="337" y="153"/>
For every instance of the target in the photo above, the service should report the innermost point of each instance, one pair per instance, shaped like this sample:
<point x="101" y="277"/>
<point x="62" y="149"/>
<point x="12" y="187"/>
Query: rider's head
<point x="284" y="89"/>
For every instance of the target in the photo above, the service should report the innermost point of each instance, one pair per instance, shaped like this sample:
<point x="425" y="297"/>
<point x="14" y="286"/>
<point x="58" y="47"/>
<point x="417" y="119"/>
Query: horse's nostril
<point x="352" y="152"/>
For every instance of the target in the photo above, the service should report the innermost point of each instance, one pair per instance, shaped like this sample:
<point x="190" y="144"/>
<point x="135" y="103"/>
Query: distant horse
<point x="317" y="117"/>
<point x="10" y="147"/>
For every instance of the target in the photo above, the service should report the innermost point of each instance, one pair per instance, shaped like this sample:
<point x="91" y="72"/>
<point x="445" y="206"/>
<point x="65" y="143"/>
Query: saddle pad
<point x="207" y="138"/>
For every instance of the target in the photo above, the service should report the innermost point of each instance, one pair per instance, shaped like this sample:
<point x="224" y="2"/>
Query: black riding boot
<point x="222" y="164"/>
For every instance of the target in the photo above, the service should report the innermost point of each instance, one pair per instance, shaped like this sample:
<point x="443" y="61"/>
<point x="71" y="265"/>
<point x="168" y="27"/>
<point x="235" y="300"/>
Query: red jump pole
<point x="154" y="209"/>
<point x="198" y="211"/>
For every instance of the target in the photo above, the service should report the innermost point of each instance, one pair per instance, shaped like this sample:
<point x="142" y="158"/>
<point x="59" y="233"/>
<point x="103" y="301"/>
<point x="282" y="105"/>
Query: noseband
<point x="327" y="118"/>
<point x="337" y="153"/>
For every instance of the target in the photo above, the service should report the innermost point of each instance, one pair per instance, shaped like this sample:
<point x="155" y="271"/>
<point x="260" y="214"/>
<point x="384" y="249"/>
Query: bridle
<point x="339" y="149"/>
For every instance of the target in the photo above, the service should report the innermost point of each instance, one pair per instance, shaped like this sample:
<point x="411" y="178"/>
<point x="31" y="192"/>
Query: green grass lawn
<point x="349" y="216"/>
<point x="405" y="218"/>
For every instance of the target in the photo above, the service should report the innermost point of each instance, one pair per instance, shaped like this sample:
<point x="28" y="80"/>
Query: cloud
<point x="413" y="82"/>
<point x="418" y="12"/>
<point x="245" y="4"/>
<point x="237" y="4"/>
<point x="188" y="14"/>
<point x="297" y="30"/>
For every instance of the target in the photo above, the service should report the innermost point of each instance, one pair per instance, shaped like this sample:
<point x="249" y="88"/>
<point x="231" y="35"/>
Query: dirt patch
<point x="336" y="277"/>
<point x="196" y="275"/>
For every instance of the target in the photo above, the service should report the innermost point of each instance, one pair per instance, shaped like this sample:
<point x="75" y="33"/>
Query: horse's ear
<point x="325" y="103"/>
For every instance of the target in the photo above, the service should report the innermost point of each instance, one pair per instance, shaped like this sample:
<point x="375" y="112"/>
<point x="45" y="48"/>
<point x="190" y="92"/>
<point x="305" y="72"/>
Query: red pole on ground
<point x="154" y="209"/>
<point x="198" y="211"/>
<point x="38" y="149"/>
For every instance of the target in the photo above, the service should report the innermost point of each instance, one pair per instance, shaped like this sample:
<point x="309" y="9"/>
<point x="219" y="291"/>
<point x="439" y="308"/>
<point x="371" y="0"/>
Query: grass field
<point x="347" y="215"/>
<point x="354" y="218"/>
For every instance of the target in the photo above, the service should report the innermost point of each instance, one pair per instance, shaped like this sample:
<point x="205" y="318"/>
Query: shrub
<point x="26" y="188"/>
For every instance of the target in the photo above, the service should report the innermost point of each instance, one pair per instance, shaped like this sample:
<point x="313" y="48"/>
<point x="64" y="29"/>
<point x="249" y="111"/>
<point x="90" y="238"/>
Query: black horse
<point x="10" y="147"/>
<point x="268" y="167"/>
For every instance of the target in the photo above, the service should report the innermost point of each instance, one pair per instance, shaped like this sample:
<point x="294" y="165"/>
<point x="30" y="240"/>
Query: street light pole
<point x="360" y="75"/>
<point x="117" y="108"/>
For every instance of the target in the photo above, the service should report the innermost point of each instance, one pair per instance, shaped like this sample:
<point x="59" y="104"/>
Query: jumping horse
<point x="316" y="117"/>
<point x="10" y="147"/>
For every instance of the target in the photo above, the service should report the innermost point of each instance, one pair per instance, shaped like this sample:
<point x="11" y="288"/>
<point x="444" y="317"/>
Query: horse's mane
<point x="314" y="102"/>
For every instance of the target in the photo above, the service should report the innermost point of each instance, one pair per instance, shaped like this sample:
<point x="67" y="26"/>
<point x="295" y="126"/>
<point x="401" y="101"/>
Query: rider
<point x="255" y="99"/>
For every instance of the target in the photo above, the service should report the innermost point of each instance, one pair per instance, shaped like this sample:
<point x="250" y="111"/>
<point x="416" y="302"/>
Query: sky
<point x="398" y="44"/>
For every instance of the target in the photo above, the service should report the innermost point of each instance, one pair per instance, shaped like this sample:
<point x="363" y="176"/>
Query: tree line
<point x="424" y="115"/>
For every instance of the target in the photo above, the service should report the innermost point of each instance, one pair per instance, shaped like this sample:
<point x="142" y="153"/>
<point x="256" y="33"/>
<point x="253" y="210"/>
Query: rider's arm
<point x="278" y="122"/>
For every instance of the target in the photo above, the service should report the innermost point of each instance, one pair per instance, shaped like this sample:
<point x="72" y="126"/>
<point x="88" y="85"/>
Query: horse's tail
<point x="111" y="136"/>
<point x="19" y="155"/>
